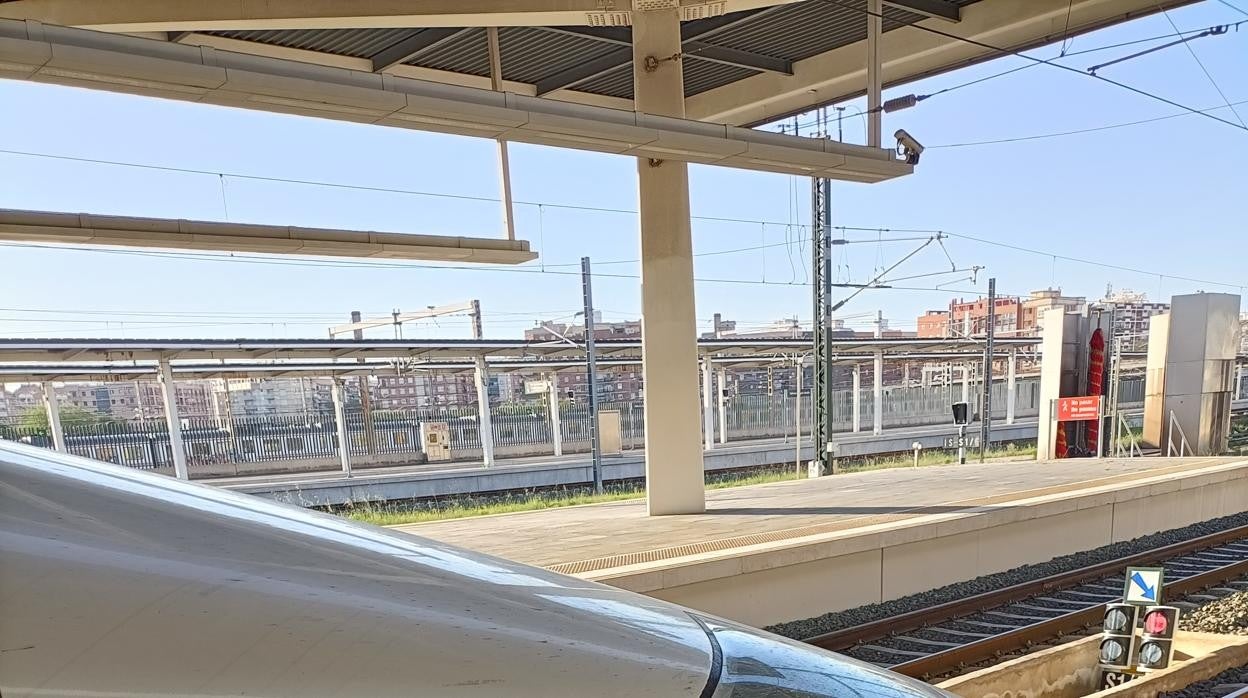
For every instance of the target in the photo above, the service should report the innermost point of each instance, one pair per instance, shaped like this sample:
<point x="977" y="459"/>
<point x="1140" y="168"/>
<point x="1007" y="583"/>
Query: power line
<point x="1069" y="54"/>
<point x="1205" y="70"/>
<point x="1234" y="7"/>
<point x="1074" y="132"/>
<point x="1059" y="66"/>
<point x="362" y="187"/>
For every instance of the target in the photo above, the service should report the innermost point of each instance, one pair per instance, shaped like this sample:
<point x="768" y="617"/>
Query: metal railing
<point x="310" y="440"/>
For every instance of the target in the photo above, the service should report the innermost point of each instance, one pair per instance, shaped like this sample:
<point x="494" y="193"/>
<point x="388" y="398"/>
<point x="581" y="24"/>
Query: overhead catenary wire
<point x="1059" y="66"/>
<point x="1205" y="70"/>
<point x="1066" y="55"/>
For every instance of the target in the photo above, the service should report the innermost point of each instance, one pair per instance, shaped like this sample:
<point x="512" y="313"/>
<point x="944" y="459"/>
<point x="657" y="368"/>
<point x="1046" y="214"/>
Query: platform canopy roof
<point x="745" y="62"/>
<point x="121" y="351"/>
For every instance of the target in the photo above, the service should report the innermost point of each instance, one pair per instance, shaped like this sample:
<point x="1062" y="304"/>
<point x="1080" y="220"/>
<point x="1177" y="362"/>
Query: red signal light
<point x="1156" y="623"/>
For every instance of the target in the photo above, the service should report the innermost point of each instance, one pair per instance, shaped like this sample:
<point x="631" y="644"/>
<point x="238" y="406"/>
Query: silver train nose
<point x="749" y="663"/>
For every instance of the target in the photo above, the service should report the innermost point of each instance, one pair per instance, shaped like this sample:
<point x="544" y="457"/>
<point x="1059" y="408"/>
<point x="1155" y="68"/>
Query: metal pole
<point x="481" y="376"/>
<point x="962" y="441"/>
<point x="1011" y="387"/>
<point x="877" y="399"/>
<point x="173" y="421"/>
<point x="856" y="398"/>
<point x="723" y="409"/>
<point x="708" y="416"/>
<point x="797" y="422"/>
<point x="591" y="365"/>
<point x="985" y="421"/>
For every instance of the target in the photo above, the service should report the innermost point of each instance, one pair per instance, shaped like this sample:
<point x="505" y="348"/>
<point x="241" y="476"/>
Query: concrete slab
<point x="782" y="551"/>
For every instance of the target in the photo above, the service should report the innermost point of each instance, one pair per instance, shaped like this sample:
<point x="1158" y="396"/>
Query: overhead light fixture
<point x="121" y="63"/>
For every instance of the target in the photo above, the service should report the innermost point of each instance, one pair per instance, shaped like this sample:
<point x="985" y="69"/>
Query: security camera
<point x="907" y="147"/>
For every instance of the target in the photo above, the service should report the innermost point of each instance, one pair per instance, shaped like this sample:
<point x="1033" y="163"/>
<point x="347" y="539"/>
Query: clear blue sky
<point x="1167" y="197"/>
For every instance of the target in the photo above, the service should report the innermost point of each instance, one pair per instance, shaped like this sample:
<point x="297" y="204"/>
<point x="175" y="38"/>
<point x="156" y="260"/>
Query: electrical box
<point x="961" y="413"/>
<point x="435" y="440"/>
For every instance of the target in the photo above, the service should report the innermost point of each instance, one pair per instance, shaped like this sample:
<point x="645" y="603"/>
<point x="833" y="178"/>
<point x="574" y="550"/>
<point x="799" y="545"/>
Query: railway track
<point x="947" y="637"/>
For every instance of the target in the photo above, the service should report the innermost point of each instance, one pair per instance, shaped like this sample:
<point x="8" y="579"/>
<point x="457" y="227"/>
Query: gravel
<point x="1228" y="615"/>
<point x="800" y="629"/>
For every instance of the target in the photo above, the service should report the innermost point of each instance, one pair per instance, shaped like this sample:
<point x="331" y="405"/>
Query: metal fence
<point x="310" y="441"/>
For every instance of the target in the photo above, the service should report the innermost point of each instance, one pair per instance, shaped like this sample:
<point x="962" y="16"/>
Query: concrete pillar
<point x="966" y="383"/>
<point x="875" y="79"/>
<point x="173" y="421"/>
<point x="1239" y="383"/>
<point x="877" y="420"/>
<point x="856" y="398"/>
<point x="708" y="409"/>
<point x="721" y="396"/>
<point x="556" y="428"/>
<point x="52" y="404"/>
<point x="340" y="417"/>
<point x="485" y="427"/>
<point x="1011" y="386"/>
<point x="674" y="476"/>
<point x="1053" y="361"/>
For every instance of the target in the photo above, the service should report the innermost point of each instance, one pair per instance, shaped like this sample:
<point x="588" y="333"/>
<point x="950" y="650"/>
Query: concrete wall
<point x="805" y="577"/>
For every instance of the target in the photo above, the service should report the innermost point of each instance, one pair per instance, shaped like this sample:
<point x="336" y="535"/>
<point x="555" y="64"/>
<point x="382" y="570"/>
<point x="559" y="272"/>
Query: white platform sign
<point x="1143" y="586"/>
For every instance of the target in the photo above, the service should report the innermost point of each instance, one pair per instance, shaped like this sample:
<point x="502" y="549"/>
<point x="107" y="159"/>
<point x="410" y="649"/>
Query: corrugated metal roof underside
<point x="357" y="43"/>
<point x="792" y="32"/>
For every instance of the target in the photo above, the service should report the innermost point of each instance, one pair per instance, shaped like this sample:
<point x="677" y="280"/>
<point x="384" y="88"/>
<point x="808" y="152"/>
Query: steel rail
<point x="986" y="648"/>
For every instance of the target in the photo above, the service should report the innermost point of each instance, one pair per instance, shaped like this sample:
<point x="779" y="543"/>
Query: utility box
<point x="435" y="440"/>
<point x="610" y="438"/>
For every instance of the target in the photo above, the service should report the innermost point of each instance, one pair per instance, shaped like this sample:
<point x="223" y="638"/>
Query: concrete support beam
<point x="674" y="476"/>
<point x="877" y="419"/>
<point x="52" y="405"/>
<point x="721" y="396"/>
<point x="708" y="413"/>
<point x="485" y="426"/>
<point x="1011" y="387"/>
<point x="504" y="159"/>
<point x="875" y="81"/>
<point x="173" y="421"/>
<point x="856" y="398"/>
<point x="340" y="419"/>
<point x="138" y="16"/>
<point x="556" y="428"/>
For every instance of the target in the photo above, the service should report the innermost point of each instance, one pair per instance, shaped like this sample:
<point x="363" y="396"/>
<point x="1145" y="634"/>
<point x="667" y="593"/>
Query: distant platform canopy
<point x="166" y="233"/>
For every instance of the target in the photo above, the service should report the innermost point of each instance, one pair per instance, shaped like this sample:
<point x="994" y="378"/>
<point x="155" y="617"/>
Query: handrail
<point x="1183" y="444"/>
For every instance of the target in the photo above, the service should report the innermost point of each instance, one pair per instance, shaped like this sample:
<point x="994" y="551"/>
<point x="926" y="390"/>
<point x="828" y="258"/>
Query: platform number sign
<point x="1143" y="586"/>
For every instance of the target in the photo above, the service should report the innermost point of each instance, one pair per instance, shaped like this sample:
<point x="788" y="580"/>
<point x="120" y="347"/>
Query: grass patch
<point x="933" y="456"/>
<point x="384" y="514"/>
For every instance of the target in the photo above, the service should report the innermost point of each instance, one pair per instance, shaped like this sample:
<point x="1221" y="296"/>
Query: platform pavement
<point x="859" y="523"/>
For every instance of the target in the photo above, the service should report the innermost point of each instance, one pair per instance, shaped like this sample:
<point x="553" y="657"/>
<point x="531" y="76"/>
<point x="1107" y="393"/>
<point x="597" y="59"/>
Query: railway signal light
<point x="1157" y="644"/>
<point x="961" y="413"/>
<point x="1118" y="635"/>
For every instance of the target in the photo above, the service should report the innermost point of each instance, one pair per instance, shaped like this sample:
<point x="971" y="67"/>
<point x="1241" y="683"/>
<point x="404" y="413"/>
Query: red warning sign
<point x="1078" y="409"/>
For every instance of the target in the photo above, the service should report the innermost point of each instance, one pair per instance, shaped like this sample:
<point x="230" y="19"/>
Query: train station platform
<point x="784" y="551"/>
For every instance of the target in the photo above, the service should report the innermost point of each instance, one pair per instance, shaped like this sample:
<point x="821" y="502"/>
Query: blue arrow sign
<point x="1146" y="592"/>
